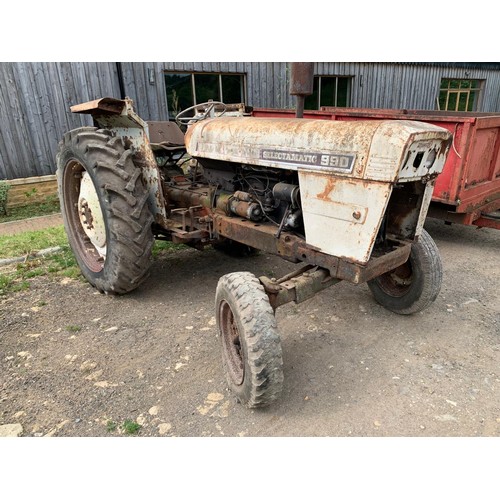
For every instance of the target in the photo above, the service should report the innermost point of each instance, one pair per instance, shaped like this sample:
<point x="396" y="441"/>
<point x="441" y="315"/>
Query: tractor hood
<point x="381" y="150"/>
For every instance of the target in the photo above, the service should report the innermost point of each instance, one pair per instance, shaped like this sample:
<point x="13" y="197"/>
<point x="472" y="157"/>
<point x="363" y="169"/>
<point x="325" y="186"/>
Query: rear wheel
<point x="413" y="286"/>
<point x="251" y="346"/>
<point x="104" y="208"/>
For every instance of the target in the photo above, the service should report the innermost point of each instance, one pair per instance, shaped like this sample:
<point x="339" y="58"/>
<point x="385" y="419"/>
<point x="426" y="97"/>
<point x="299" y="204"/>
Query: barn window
<point x="329" y="91"/>
<point x="459" y="95"/>
<point x="187" y="89"/>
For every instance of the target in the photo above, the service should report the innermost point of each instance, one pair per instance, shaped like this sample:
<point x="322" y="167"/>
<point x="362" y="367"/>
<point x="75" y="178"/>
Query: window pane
<point x="343" y="92"/>
<point x="327" y="97"/>
<point x="452" y="102"/>
<point x="311" y="101"/>
<point x="445" y="83"/>
<point x="442" y="99"/>
<point x="462" y="101"/>
<point x="232" y="89"/>
<point x="206" y="87"/>
<point x="472" y="101"/>
<point x="179" y="92"/>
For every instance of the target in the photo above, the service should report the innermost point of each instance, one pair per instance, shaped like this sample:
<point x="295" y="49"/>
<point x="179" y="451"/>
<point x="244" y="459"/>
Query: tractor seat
<point x="167" y="136"/>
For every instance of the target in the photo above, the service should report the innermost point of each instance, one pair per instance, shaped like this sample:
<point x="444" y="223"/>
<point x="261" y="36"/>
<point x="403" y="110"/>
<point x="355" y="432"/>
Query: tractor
<point x="343" y="200"/>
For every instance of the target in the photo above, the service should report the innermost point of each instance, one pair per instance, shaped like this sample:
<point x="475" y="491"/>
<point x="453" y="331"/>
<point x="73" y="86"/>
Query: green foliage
<point x="111" y="426"/>
<point x="73" y="328"/>
<point x="160" y="247"/>
<point x="131" y="427"/>
<point x="47" y="207"/>
<point x="4" y="191"/>
<point x="30" y="193"/>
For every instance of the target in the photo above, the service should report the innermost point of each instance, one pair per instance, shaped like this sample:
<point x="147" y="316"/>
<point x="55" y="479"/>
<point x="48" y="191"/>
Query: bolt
<point x="357" y="215"/>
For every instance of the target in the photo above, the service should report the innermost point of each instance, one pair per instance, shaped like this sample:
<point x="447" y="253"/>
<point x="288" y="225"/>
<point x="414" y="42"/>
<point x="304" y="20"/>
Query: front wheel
<point x="414" y="285"/>
<point x="104" y="207"/>
<point x="251" y="347"/>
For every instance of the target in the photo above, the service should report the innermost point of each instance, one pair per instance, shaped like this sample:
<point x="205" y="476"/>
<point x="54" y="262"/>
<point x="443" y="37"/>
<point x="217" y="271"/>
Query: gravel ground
<point x="78" y="363"/>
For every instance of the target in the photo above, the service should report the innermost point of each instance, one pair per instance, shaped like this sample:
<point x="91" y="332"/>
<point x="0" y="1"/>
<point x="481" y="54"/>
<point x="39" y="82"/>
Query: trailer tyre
<point x="251" y="346"/>
<point x="414" y="285"/>
<point x="104" y="207"/>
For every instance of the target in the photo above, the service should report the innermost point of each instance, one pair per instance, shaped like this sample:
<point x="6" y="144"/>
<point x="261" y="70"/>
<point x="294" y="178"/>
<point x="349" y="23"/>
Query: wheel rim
<point x="397" y="282"/>
<point x="84" y="216"/>
<point x="231" y="343"/>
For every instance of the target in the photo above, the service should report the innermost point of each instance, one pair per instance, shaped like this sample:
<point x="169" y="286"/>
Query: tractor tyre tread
<point x="123" y="198"/>
<point x="428" y="275"/>
<point x="263" y="378"/>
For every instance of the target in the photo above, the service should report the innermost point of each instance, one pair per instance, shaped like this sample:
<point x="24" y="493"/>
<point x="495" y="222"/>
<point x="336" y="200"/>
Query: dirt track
<point x="78" y="363"/>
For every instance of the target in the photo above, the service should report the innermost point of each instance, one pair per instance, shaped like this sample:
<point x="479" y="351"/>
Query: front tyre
<point x="104" y="208"/>
<point x="251" y="346"/>
<point x="413" y="286"/>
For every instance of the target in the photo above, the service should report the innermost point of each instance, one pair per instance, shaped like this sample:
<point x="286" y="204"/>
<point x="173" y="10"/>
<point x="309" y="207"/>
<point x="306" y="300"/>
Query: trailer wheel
<point x="104" y="208"/>
<point x="251" y="346"/>
<point x="413" y="286"/>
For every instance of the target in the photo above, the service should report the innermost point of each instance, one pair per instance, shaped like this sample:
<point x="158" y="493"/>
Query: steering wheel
<point x="201" y="112"/>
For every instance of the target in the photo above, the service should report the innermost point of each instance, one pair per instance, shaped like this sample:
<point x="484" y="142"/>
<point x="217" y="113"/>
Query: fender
<point x="118" y="115"/>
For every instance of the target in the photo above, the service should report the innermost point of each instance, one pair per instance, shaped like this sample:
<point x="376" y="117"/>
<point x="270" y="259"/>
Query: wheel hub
<point x="231" y="343"/>
<point x="90" y="214"/>
<point x="398" y="282"/>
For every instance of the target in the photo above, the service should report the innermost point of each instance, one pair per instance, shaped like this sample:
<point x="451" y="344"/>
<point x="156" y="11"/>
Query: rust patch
<point x="104" y="105"/>
<point x="330" y="185"/>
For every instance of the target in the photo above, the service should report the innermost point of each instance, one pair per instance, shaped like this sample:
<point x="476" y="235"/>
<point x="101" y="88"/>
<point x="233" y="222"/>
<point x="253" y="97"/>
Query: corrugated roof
<point x="493" y="66"/>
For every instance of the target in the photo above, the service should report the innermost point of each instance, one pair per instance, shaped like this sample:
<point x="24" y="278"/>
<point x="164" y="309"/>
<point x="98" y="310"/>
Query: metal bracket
<point x="298" y="286"/>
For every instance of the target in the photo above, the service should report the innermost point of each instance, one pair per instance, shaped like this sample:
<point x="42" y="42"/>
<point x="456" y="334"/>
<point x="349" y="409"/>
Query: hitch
<point x="297" y="286"/>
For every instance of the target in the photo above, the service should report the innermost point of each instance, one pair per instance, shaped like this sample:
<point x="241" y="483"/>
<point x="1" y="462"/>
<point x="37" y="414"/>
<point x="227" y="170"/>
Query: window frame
<point x="192" y="74"/>
<point x="349" y="80"/>
<point x="475" y="91"/>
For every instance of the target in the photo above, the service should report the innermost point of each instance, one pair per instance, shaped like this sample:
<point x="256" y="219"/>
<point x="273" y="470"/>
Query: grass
<point x="47" y="207"/>
<point x="111" y="426"/>
<point x="131" y="427"/>
<point x="60" y="264"/>
<point x="16" y="278"/>
<point x="32" y="242"/>
<point x="160" y="247"/>
<point x="128" y="426"/>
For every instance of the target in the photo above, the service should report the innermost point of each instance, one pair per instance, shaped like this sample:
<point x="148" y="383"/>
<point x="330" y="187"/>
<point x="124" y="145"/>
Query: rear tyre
<point x="104" y="207"/>
<point x="251" y="346"/>
<point x="413" y="286"/>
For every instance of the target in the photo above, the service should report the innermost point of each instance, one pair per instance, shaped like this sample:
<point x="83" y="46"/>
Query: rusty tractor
<point x="344" y="200"/>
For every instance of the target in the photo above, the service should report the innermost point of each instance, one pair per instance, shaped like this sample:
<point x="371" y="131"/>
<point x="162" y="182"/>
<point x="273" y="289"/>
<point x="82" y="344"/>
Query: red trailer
<point x="468" y="189"/>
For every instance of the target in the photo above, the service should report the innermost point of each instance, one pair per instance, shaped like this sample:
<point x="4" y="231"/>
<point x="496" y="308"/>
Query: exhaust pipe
<point x="301" y="84"/>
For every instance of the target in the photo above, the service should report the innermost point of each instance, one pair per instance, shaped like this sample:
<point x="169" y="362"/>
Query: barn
<point x="35" y="96"/>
